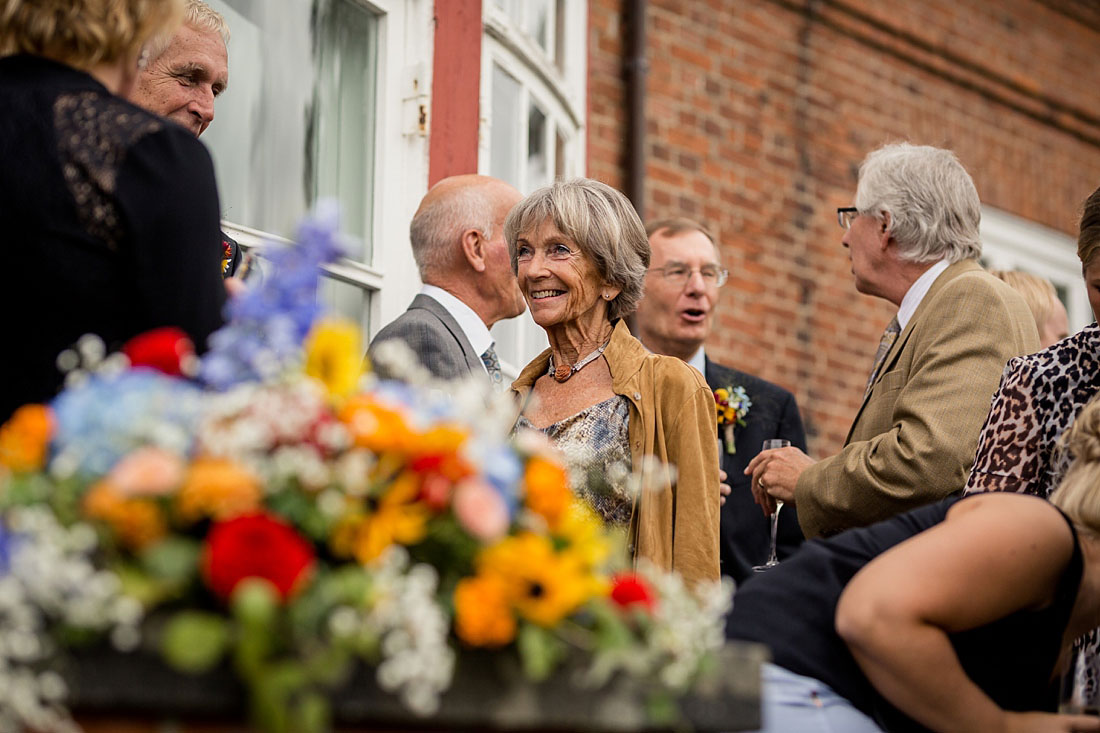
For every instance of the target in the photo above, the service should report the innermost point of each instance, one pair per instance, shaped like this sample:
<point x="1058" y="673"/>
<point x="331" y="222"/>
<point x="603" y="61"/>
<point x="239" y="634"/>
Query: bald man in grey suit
<point x="457" y="237"/>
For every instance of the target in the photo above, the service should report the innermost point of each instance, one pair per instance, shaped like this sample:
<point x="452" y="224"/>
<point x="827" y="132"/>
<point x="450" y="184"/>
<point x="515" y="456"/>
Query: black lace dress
<point x="108" y="224"/>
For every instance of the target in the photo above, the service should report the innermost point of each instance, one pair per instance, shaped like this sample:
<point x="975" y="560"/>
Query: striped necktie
<point x="889" y="336"/>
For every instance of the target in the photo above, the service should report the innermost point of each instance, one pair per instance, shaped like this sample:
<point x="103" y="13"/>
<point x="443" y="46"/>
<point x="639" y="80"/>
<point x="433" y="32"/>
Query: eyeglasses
<point x="678" y="275"/>
<point x="845" y="215"/>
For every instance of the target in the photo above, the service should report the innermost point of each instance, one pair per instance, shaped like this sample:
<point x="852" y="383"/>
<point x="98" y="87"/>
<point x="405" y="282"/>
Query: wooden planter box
<point x="115" y="693"/>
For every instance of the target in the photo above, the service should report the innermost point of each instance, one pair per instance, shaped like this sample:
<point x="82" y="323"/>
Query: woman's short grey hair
<point x="199" y="16"/>
<point x="933" y="205"/>
<point x="437" y="227"/>
<point x="601" y="222"/>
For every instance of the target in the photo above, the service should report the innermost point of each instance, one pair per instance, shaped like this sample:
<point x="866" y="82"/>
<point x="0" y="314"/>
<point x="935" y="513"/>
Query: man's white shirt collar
<point x="917" y="291"/>
<point x="471" y="324"/>
<point x="699" y="361"/>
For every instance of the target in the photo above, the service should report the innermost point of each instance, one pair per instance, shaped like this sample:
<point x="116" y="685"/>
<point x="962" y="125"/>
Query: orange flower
<point x="376" y="427"/>
<point x="483" y="614"/>
<point x="437" y="451"/>
<point x="137" y="523"/>
<point x="547" y="490"/>
<point x="219" y="489"/>
<point x="25" y="438"/>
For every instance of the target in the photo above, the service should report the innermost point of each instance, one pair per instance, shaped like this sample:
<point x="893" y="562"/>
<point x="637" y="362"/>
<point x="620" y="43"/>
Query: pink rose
<point x="147" y="471"/>
<point x="480" y="510"/>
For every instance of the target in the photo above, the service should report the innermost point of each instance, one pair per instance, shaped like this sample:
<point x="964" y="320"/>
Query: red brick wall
<point x="759" y="111"/>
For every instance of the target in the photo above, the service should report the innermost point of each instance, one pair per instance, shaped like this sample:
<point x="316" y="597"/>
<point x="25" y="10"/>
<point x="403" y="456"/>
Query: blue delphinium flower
<point x="268" y="323"/>
<point x="108" y="416"/>
<point x="9" y="542"/>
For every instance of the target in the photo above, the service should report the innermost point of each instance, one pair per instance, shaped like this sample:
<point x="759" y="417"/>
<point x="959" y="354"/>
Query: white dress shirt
<point x="471" y="324"/>
<point x="916" y="292"/>
<point x="699" y="361"/>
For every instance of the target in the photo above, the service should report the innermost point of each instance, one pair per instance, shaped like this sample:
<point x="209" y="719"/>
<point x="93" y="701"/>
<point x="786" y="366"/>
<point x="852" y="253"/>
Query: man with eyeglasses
<point x="674" y="318"/>
<point x="913" y="239"/>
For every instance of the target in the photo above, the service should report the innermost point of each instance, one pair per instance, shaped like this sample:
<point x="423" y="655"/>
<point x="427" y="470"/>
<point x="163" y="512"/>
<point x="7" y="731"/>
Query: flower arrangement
<point x="275" y="510"/>
<point x="732" y="405"/>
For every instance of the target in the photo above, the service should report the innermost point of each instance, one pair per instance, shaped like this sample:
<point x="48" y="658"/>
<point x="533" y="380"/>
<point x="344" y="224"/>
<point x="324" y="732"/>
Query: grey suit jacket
<point x="435" y="336"/>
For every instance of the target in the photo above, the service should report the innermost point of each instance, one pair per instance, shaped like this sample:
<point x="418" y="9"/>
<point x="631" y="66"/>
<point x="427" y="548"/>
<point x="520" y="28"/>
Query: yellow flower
<point x="219" y="489"/>
<point x="398" y="518"/>
<point x="334" y="356"/>
<point x="581" y="533"/>
<point x="483" y="613"/>
<point x="547" y="490"/>
<point x="136" y="522"/>
<point x="25" y="438"/>
<point x="544" y="586"/>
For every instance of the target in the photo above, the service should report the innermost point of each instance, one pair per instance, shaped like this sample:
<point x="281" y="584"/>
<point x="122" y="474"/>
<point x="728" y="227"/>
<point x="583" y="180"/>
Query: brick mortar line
<point x="985" y="84"/>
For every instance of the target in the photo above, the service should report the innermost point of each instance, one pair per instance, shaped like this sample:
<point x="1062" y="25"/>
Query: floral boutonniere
<point x="732" y="404"/>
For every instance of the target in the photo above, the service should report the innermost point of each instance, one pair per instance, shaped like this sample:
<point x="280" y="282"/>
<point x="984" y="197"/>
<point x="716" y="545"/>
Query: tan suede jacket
<point x="672" y="417"/>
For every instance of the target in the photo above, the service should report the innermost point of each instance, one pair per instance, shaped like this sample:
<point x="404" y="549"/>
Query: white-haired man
<point x="912" y="238"/>
<point x="457" y="237"/>
<point x="182" y="76"/>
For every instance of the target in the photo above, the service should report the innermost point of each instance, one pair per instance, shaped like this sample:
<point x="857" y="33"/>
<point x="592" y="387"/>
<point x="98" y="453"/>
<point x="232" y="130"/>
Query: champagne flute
<point x="773" y="560"/>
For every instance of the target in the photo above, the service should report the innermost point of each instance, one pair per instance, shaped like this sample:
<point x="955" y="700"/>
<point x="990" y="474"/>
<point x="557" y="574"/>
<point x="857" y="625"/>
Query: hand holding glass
<point x="773" y="560"/>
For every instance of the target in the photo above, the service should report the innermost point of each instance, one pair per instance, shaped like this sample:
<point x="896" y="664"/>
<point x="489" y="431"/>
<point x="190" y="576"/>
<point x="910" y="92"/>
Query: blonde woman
<point x="1042" y="300"/>
<point x="110" y="213"/>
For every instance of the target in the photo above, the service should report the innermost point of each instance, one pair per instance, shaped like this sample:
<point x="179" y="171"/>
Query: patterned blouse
<point x="1039" y="397"/>
<point x="597" y="448"/>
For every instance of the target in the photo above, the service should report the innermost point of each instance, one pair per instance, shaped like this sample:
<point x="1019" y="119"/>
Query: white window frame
<point x="560" y="92"/>
<point x="1010" y="242"/>
<point x="390" y="278"/>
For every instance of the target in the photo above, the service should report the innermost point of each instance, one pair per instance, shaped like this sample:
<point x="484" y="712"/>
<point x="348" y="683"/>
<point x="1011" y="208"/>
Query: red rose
<point x="256" y="546"/>
<point x="166" y="349"/>
<point x="628" y="589"/>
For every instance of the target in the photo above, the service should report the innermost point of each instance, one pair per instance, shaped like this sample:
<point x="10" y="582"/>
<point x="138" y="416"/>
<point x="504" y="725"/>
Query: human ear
<point x="473" y="249"/>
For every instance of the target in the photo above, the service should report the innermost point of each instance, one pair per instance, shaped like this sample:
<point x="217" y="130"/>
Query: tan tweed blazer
<point x="914" y="436"/>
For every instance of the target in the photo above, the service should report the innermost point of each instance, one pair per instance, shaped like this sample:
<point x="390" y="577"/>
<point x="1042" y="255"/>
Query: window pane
<point x="344" y="299"/>
<point x="538" y="173"/>
<point x="505" y="125"/>
<point x="559" y="156"/>
<point x="343" y="115"/>
<point x="538" y="23"/>
<point x="559" y="35"/>
<point x="296" y="119"/>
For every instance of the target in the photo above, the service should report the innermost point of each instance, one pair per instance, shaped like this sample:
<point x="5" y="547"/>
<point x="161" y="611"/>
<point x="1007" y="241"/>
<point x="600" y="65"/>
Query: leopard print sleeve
<point x="1012" y="455"/>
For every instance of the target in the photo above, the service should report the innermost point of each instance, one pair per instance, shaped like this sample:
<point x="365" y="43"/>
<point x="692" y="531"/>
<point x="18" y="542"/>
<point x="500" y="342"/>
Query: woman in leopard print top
<point x="1041" y="394"/>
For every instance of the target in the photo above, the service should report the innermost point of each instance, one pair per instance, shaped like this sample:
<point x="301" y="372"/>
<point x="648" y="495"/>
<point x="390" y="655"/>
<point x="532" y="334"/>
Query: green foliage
<point x="540" y="651"/>
<point x="195" y="641"/>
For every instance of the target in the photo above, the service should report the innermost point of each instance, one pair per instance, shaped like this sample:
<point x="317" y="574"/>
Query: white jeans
<point x="793" y="703"/>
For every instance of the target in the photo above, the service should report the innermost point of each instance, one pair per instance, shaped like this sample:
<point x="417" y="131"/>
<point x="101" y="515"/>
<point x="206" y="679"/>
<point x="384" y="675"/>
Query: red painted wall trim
<point x="456" y="86"/>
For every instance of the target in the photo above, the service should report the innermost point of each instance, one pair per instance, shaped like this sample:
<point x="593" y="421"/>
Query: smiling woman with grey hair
<point x="581" y="253"/>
